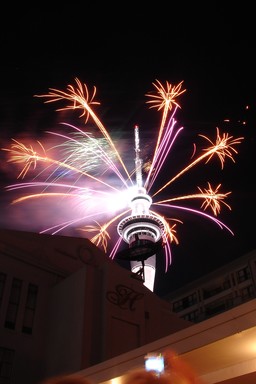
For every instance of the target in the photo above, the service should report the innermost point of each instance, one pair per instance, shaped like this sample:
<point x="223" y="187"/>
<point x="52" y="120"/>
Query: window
<point x="243" y="274"/>
<point x="215" y="308"/>
<point x="177" y="306"/>
<point x="219" y="306"/>
<point x="13" y="306"/>
<point x="247" y="293"/>
<point x="30" y="307"/>
<point x="226" y="284"/>
<point x="6" y="365"/>
<point x="192" y="316"/>
<point x="186" y="302"/>
<point x="211" y="292"/>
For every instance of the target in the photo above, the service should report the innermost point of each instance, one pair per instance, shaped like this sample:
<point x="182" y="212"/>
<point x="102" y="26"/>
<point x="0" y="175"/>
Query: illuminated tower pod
<point x="142" y="230"/>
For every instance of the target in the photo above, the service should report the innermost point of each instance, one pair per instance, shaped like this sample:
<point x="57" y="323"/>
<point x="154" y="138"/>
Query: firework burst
<point x="86" y="170"/>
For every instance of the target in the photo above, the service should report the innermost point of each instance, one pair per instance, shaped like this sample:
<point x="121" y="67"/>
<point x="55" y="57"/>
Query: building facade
<point x="65" y="306"/>
<point x="222" y="350"/>
<point x="221" y="290"/>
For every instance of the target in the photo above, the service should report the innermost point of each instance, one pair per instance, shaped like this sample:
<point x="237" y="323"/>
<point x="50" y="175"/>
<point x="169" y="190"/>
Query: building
<point x="65" y="306"/>
<point x="223" y="289"/>
<point x="221" y="349"/>
<point x="221" y="346"/>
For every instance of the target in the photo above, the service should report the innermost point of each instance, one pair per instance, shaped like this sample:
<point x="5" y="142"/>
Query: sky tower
<point x="142" y="230"/>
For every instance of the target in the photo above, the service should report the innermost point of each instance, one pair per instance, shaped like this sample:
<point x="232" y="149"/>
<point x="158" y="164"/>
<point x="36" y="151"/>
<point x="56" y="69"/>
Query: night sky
<point x="122" y="50"/>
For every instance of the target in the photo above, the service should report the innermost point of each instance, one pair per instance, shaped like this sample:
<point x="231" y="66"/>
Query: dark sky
<point x="121" y="50"/>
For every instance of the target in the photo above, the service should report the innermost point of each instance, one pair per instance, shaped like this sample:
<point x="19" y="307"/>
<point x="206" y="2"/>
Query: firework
<point x="86" y="170"/>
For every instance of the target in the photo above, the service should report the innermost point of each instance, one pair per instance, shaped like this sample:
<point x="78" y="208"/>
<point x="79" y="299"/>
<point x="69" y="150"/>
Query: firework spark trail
<point x="101" y="239"/>
<point x="81" y="148"/>
<point x="89" y="149"/>
<point x="84" y="192"/>
<point x="222" y="148"/>
<point x="21" y="153"/>
<point x="78" y="162"/>
<point x="211" y="198"/>
<point x="80" y="101"/>
<point x="169" y="236"/>
<point x="164" y="99"/>
<point x="97" y="239"/>
<point x="168" y="256"/>
<point x="115" y="248"/>
<point x="214" y="219"/>
<point x="169" y="231"/>
<point x="161" y="155"/>
<point x="87" y="193"/>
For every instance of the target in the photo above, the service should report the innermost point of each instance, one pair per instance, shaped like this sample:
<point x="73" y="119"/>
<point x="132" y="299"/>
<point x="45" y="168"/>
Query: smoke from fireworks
<point x="85" y="171"/>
